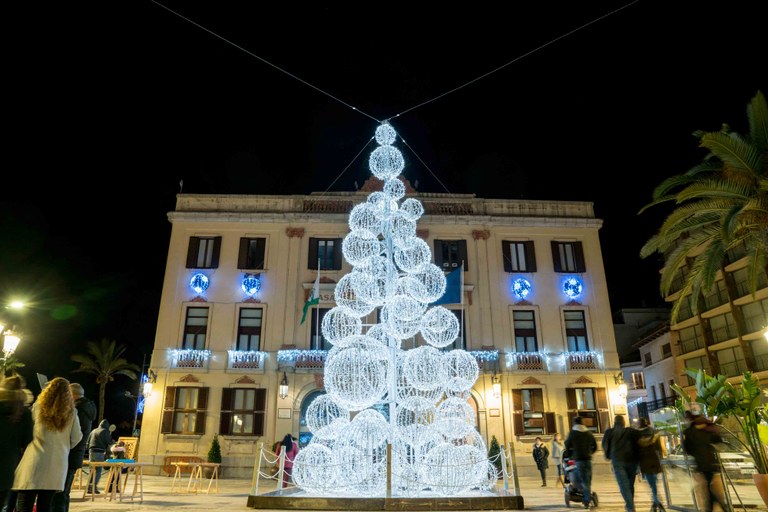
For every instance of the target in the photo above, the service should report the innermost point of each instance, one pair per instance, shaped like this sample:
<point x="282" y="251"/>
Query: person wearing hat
<point x="86" y="413"/>
<point x="15" y="433"/>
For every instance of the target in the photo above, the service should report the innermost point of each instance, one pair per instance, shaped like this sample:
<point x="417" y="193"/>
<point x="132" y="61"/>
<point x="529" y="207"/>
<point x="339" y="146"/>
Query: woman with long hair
<point x="291" y="449"/>
<point x="43" y="467"/>
<point x="557" y="456"/>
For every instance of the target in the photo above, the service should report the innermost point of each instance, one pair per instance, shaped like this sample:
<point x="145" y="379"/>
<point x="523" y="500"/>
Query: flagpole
<point x="461" y="299"/>
<point x="317" y="316"/>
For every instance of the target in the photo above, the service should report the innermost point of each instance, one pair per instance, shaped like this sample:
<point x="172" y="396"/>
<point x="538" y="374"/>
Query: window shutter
<point x="259" y="415"/>
<point x="439" y="253"/>
<point x="537" y="399"/>
<point x="571" y="415"/>
<point x="605" y="421"/>
<point x="517" y="400"/>
<point x="549" y="422"/>
<point x="463" y="254"/>
<point x="601" y="398"/>
<point x="202" y="405"/>
<point x="166" y="425"/>
<point x="578" y="254"/>
<point x="517" y="423"/>
<point x="194" y="245"/>
<point x="258" y="423"/>
<point x="556" y="256"/>
<point x="505" y="255"/>
<point x="261" y="244"/>
<point x="225" y="420"/>
<point x="337" y="254"/>
<point x="530" y="257"/>
<point x="570" y="396"/>
<point x="312" y="263"/>
<point x="242" y="254"/>
<point x="216" y="251"/>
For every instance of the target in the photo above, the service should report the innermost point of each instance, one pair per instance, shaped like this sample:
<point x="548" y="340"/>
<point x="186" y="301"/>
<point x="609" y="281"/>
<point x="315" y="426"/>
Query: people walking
<point x="557" y="456"/>
<point x="651" y="451"/>
<point x="99" y="442"/>
<point x="620" y="445"/>
<point x="581" y="443"/>
<point x="15" y="433"/>
<point x="699" y="439"/>
<point x="541" y="456"/>
<point x="86" y="414"/>
<point x="43" y="467"/>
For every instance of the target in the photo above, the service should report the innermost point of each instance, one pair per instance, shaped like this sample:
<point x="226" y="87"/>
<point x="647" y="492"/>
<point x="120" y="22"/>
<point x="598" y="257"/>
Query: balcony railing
<point x="302" y="359"/>
<point x="582" y="360"/>
<point x="527" y="360"/>
<point x="188" y="358"/>
<point x="246" y="360"/>
<point x="654" y="405"/>
<point x="486" y="359"/>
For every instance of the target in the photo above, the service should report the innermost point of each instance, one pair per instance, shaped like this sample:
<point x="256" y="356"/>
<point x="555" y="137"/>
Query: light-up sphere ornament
<point x="340" y="323"/>
<point x="385" y="135"/>
<point x="455" y="418"/>
<point x="521" y="287"/>
<point x="572" y="287"/>
<point x="462" y="370"/>
<point x="325" y="417"/>
<point x="199" y="282"/>
<point x="386" y="162"/>
<point x="251" y="285"/>
<point x="356" y="376"/>
<point x="424" y="368"/>
<point x="440" y="327"/>
<point x="315" y="469"/>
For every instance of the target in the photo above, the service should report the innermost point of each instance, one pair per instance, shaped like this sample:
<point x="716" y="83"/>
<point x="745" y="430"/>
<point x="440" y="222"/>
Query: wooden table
<point x="115" y="487"/>
<point x="195" y="482"/>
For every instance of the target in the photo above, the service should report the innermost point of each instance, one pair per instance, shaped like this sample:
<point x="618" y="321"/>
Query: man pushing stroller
<point x="581" y="444"/>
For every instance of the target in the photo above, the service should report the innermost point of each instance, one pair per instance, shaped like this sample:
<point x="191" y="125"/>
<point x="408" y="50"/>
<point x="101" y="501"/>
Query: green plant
<point x="741" y="402"/>
<point x="494" y="454"/>
<point x="214" y="454"/>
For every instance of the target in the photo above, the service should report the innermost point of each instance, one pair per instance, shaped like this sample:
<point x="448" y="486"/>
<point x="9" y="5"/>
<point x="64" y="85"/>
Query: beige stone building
<point x="535" y="314"/>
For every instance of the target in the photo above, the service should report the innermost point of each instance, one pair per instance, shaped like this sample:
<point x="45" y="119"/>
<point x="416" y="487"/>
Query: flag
<point x="454" y="282"/>
<point x="314" y="296"/>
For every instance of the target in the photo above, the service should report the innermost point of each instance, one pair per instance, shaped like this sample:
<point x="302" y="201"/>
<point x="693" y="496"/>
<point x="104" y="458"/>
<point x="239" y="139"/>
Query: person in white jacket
<point x="43" y="467"/>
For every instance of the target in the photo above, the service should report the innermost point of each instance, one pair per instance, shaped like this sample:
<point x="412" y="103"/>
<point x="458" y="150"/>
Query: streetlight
<point x="619" y="379"/>
<point x="283" y="389"/>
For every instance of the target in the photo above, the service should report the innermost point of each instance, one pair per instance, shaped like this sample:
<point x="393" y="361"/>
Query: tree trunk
<point x="102" y="390"/>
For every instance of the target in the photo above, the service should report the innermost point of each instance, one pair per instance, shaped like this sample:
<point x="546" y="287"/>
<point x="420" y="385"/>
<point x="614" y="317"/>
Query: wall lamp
<point x="283" y="389"/>
<point x="496" y="385"/>
<point x="151" y="378"/>
<point x="619" y="380"/>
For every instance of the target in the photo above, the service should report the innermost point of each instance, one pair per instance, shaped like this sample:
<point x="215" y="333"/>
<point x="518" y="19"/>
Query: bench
<point x="170" y="469"/>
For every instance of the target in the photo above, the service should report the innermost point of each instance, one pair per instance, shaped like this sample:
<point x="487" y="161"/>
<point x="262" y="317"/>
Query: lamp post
<point x="283" y="389"/>
<point x="10" y="339"/>
<point x="619" y="379"/>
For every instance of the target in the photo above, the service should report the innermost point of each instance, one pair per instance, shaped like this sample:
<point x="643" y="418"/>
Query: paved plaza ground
<point x="233" y="495"/>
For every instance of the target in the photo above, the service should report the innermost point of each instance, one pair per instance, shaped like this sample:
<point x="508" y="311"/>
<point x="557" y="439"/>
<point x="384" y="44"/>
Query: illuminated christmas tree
<point x="422" y="390"/>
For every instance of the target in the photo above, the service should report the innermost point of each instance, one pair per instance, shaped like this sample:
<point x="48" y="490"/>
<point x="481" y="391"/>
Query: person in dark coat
<point x="581" y="443"/>
<point x="620" y="445"/>
<point x="99" y="442"/>
<point x="86" y="413"/>
<point x="15" y="433"/>
<point x="541" y="456"/>
<point x="651" y="451"/>
<point x="699" y="440"/>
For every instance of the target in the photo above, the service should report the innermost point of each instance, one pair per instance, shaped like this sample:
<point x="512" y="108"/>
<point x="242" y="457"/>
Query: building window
<point x="203" y="252"/>
<point x="638" y="380"/>
<point x="576" y="331"/>
<point x="451" y="254"/>
<point x="695" y="363"/>
<point x="525" y="331"/>
<point x="251" y="254"/>
<point x="326" y="252"/>
<point x="591" y="404"/>
<point x="249" y="329"/>
<point x="318" y="340"/>
<point x="723" y="327"/>
<point x="243" y="411"/>
<point x="691" y="339"/>
<point x="528" y="415"/>
<point x="568" y="257"/>
<point x="666" y="350"/>
<point x="518" y="256"/>
<point x="647" y="359"/>
<point x="731" y="361"/>
<point x="184" y="410"/>
<point x="195" y="329"/>
<point x="754" y="315"/>
<point x="662" y="391"/>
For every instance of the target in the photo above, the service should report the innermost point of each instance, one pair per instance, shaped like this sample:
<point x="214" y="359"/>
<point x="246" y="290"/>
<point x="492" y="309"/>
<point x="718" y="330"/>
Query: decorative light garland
<point x="521" y="287"/>
<point x="290" y="356"/>
<point x="251" y="284"/>
<point x="435" y="447"/>
<point x="199" y="282"/>
<point x="572" y="287"/>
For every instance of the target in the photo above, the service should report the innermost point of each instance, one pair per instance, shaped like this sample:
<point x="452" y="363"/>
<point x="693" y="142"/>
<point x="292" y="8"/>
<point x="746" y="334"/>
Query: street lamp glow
<point x="10" y="343"/>
<point x="16" y="304"/>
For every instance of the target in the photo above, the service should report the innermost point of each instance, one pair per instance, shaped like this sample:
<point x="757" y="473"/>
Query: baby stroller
<point x="573" y="493"/>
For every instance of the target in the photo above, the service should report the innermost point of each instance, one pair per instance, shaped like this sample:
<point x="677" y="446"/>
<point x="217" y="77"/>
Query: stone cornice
<point x="294" y="232"/>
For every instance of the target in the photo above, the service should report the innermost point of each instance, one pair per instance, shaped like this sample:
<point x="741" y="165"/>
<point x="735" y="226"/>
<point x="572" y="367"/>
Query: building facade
<point x="233" y="357"/>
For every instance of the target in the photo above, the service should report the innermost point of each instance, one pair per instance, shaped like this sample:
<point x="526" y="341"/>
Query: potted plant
<point x="741" y="402"/>
<point x="214" y="455"/>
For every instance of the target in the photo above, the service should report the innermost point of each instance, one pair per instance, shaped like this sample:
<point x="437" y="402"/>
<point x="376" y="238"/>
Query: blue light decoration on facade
<point x="199" y="283"/>
<point x="572" y="287"/>
<point x="251" y="284"/>
<point x="521" y="287"/>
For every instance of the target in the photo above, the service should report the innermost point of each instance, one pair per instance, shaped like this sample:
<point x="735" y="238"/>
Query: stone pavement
<point x="233" y="495"/>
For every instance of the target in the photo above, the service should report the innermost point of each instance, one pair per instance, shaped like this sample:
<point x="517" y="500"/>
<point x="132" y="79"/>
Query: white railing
<point x="246" y="359"/>
<point x="188" y="358"/>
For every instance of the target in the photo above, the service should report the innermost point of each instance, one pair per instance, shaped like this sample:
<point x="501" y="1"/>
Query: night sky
<point x="110" y="105"/>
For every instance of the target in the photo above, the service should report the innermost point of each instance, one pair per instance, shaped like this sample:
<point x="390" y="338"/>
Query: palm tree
<point x="721" y="203"/>
<point x="104" y="360"/>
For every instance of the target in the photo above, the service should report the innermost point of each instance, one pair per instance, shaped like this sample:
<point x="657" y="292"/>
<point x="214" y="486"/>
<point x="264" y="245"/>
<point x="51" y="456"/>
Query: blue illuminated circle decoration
<point x="199" y="283"/>
<point x="521" y="288"/>
<point x="251" y="284"/>
<point x="572" y="287"/>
